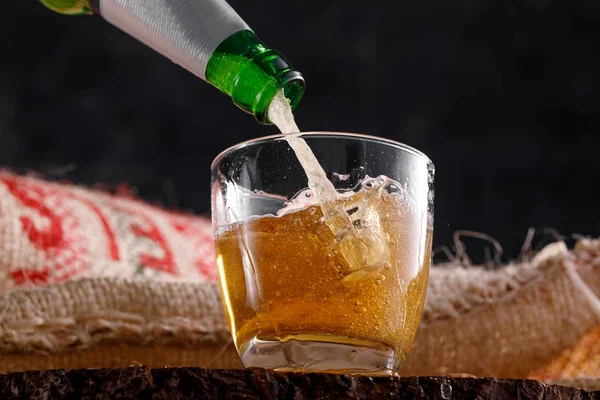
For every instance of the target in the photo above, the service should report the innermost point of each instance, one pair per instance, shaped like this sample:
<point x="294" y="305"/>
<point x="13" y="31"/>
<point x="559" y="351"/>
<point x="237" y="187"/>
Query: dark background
<point x="502" y="97"/>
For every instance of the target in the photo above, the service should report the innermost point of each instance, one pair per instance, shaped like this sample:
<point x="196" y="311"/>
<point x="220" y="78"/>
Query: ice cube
<point x="362" y="242"/>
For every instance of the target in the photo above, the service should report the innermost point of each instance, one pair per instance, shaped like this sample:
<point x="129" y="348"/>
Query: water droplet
<point x="278" y="293"/>
<point x="446" y="391"/>
<point x="353" y="353"/>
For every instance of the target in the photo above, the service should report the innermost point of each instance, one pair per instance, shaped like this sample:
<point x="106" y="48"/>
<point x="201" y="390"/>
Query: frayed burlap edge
<point x="526" y="326"/>
<point x="476" y="321"/>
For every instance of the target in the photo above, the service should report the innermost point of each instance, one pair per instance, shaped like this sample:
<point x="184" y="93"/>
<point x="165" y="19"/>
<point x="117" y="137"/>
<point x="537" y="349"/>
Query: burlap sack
<point x="94" y="280"/>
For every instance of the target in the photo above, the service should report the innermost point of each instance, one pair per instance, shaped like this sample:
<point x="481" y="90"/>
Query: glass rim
<point x="392" y="143"/>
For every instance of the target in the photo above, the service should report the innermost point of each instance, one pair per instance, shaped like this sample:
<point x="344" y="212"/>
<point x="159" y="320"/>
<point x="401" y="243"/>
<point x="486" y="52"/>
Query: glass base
<point x="321" y="356"/>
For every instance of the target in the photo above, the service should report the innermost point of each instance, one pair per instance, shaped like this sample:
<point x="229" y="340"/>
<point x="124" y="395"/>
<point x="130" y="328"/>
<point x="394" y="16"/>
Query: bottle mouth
<point x="292" y="83"/>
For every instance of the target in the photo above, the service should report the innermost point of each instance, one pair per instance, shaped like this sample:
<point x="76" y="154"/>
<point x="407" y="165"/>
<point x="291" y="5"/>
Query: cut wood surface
<point x="196" y="383"/>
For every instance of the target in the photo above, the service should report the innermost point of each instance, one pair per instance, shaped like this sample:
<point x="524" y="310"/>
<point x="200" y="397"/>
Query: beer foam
<point x="305" y="198"/>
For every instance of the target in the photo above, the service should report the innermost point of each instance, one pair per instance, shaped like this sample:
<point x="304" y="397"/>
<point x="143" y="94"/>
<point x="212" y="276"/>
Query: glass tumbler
<point x="332" y="286"/>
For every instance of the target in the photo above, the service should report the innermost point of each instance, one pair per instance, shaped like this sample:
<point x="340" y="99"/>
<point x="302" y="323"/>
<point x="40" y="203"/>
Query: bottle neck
<point x="252" y="74"/>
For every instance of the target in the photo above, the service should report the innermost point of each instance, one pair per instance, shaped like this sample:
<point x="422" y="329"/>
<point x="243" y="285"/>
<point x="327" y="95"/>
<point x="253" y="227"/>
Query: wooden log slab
<point x="196" y="383"/>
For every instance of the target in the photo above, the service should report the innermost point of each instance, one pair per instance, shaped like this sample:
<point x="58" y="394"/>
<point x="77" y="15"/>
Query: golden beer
<point x="292" y="279"/>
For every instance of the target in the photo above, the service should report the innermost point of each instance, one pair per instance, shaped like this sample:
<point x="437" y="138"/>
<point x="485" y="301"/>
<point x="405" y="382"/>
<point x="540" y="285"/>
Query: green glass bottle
<point x="206" y="37"/>
<point x="69" y="7"/>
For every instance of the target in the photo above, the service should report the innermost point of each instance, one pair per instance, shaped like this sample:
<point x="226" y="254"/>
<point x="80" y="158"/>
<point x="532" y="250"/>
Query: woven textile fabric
<point x="91" y="279"/>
